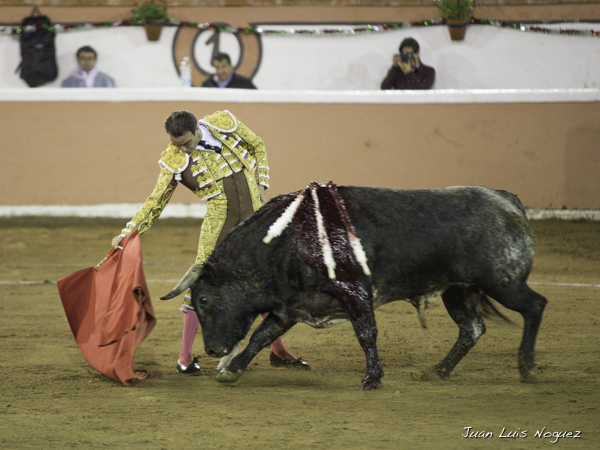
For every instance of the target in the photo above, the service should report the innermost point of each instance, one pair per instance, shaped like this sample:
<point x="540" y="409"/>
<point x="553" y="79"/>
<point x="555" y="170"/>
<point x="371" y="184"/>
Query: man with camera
<point x="407" y="71"/>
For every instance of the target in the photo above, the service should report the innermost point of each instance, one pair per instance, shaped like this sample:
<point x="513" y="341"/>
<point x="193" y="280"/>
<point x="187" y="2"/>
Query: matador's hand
<point x="114" y="244"/>
<point x="116" y="241"/>
<point x="261" y="193"/>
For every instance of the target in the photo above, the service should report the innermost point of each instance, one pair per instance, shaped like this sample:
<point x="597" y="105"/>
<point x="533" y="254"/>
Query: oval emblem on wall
<point x="244" y="49"/>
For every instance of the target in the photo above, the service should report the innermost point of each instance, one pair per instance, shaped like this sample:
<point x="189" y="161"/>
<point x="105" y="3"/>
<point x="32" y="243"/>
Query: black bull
<point x="466" y="242"/>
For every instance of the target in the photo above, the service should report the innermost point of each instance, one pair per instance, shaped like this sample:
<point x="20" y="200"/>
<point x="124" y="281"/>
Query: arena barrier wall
<point x="91" y="148"/>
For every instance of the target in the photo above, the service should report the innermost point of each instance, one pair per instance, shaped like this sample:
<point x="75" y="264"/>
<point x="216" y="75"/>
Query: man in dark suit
<point x="225" y="77"/>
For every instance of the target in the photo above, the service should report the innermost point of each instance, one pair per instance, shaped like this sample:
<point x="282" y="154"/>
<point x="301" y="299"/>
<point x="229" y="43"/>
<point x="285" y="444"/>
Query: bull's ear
<point x="209" y="273"/>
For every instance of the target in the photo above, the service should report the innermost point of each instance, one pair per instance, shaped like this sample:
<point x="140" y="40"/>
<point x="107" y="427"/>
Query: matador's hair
<point x="179" y="122"/>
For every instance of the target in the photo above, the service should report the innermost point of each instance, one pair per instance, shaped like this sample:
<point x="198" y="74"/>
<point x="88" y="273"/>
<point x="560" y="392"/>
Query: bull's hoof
<point x="225" y="376"/>
<point x="529" y="376"/>
<point x="431" y="374"/>
<point x="370" y="383"/>
<point x="297" y="363"/>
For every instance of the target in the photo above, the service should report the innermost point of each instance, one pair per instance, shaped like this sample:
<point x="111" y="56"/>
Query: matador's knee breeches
<point x="238" y="199"/>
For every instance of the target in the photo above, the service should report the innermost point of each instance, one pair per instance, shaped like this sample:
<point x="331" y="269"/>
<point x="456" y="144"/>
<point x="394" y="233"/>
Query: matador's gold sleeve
<point x="256" y="147"/>
<point x="154" y="205"/>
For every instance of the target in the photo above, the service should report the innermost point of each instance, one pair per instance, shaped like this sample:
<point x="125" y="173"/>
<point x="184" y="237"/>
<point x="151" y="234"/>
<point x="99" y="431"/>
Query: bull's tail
<point x="422" y="304"/>
<point x="488" y="309"/>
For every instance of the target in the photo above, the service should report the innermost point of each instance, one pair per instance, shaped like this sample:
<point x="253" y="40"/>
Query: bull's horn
<point x="192" y="274"/>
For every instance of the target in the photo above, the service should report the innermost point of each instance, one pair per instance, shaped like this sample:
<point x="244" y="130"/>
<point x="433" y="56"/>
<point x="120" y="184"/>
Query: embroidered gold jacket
<point x="201" y="169"/>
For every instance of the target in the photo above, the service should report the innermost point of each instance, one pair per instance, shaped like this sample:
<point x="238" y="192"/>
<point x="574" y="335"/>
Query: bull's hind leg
<point x="531" y="306"/>
<point x="463" y="306"/>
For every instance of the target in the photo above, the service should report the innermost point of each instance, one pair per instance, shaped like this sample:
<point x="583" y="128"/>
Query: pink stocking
<point x="278" y="347"/>
<point x="190" y="325"/>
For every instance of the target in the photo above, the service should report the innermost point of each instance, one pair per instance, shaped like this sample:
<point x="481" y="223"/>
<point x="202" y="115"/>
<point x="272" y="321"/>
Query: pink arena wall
<point x="85" y="153"/>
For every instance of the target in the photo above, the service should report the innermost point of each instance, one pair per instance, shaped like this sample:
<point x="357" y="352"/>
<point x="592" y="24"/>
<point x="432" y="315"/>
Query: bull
<point x="333" y="253"/>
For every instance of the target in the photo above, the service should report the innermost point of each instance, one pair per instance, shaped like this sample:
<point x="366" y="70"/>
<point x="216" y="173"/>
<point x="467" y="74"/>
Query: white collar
<point x="208" y="137"/>
<point x="89" y="78"/>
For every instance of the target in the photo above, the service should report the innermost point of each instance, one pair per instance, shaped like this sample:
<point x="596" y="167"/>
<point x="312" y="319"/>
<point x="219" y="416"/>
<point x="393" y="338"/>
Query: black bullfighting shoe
<point x="297" y="363"/>
<point x="190" y="369"/>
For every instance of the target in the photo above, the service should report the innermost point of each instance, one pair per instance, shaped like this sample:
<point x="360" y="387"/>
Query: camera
<point x="406" y="57"/>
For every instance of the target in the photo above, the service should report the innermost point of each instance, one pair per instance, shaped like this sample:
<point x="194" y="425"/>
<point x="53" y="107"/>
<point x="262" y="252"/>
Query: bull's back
<point x="420" y="238"/>
<point x="415" y="240"/>
<point x="453" y="204"/>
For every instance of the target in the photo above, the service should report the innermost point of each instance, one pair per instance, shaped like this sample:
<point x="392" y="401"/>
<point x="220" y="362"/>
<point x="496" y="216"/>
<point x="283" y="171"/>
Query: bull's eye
<point x="203" y="301"/>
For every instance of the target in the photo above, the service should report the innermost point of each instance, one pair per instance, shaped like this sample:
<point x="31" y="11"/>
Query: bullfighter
<point x="223" y="162"/>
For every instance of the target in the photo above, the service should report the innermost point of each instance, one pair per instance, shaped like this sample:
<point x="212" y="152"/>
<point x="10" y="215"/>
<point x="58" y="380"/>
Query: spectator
<point x="408" y="72"/>
<point x="87" y="76"/>
<point x="225" y="76"/>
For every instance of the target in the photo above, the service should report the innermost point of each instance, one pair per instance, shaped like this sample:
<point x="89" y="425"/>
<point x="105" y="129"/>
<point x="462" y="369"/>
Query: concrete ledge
<point x="306" y="97"/>
<point x="113" y="211"/>
<point x="197" y="211"/>
<point x="564" y="214"/>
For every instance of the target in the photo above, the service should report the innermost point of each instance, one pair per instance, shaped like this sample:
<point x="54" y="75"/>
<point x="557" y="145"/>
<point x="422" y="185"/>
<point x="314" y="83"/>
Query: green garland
<point x="347" y="30"/>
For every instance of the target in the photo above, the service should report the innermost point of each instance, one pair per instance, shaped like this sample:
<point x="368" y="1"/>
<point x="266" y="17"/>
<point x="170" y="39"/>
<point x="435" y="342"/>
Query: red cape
<point x="109" y="311"/>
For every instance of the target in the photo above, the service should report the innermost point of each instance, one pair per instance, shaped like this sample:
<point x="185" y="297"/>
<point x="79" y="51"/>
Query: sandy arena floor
<point x="51" y="399"/>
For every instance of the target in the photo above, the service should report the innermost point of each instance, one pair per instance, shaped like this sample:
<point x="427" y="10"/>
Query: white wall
<point x="489" y="58"/>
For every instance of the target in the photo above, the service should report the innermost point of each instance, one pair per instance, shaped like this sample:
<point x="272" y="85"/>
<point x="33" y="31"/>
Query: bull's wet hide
<point x="323" y="214"/>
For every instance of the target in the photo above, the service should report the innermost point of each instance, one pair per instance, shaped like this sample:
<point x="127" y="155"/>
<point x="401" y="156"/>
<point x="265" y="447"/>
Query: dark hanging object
<point x="38" y="54"/>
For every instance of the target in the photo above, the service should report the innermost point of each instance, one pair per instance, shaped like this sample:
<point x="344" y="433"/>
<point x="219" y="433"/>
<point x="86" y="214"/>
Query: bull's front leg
<point x="358" y="304"/>
<point x="366" y="332"/>
<point x="264" y="335"/>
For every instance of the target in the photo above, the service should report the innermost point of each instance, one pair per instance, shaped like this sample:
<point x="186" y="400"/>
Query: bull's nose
<point x="215" y="353"/>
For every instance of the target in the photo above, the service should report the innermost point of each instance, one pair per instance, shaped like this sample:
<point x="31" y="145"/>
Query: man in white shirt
<point x="87" y="76"/>
<point x="225" y="76"/>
